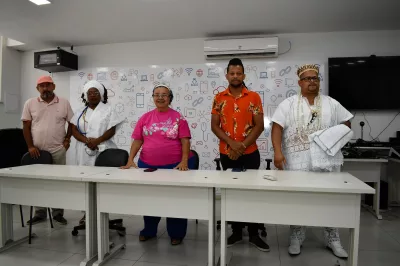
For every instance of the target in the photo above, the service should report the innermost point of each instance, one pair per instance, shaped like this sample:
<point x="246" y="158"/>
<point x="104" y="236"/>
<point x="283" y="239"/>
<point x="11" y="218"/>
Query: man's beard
<point x="239" y="85"/>
<point x="47" y="94"/>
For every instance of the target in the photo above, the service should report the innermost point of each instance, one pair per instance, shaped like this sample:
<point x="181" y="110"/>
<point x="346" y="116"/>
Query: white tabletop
<point x="291" y="181"/>
<point x="251" y="179"/>
<point x="51" y="171"/>
<point x="162" y="177"/>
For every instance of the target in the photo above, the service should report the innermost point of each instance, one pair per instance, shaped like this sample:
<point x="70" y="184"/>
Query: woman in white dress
<point x="94" y="124"/>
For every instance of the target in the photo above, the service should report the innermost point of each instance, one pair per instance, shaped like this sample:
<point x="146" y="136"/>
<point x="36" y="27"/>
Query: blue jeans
<point x="176" y="227"/>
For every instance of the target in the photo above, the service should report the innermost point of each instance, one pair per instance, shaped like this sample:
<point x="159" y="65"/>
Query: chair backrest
<point x="197" y="160"/>
<point x="12" y="147"/>
<point x="269" y="161"/>
<point x="112" y="158"/>
<point x="44" y="158"/>
<point x="218" y="163"/>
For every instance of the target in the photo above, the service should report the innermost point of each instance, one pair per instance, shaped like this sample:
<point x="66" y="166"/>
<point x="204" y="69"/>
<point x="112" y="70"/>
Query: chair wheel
<point x="74" y="232"/>
<point x="264" y="234"/>
<point x="218" y="227"/>
<point x="121" y="233"/>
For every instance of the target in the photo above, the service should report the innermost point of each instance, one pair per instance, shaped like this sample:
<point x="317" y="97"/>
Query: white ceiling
<point x="87" y="22"/>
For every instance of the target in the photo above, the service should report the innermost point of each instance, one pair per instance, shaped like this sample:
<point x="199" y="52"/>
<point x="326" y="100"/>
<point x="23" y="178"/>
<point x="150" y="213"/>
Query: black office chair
<point x="12" y="148"/>
<point x="109" y="158"/>
<point x="261" y="226"/>
<point x="44" y="158"/>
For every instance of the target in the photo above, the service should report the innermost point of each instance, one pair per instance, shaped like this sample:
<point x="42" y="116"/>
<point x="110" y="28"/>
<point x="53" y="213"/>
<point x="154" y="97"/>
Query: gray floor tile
<point x="59" y="240"/>
<point x="20" y="256"/>
<point x="378" y="258"/>
<point x="77" y="258"/>
<point x="188" y="253"/>
<point x="395" y="235"/>
<point x="311" y="257"/>
<point x="374" y="239"/>
<point x="140" y="263"/>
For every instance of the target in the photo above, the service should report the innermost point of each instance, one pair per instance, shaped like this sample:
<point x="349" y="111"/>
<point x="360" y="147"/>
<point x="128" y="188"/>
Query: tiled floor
<point x="379" y="245"/>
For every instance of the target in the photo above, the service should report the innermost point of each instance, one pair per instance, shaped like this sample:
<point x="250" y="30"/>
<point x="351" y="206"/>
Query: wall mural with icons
<point x="194" y="87"/>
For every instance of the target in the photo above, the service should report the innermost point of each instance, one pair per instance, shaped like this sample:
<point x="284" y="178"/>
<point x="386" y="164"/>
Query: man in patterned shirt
<point x="237" y="120"/>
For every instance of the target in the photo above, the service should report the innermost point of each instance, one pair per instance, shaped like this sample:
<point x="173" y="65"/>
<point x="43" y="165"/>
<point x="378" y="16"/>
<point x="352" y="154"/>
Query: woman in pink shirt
<point x="164" y="136"/>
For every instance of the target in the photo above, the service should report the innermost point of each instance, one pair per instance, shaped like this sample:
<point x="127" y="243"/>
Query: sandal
<point x="145" y="238"/>
<point x="176" y="241"/>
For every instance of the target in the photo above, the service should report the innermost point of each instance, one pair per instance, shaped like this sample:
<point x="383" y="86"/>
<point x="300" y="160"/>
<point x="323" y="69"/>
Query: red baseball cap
<point x="44" y="79"/>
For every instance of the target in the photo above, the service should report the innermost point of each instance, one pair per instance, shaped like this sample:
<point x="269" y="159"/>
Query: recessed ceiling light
<point x="40" y="2"/>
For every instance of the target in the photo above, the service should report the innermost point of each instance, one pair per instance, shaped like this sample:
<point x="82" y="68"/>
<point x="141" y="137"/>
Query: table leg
<point x="377" y="198"/>
<point x="223" y="229"/>
<point x="211" y="227"/>
<point x="354" y="238"/>
<point x="91" y="224"/>
<point x="103" y="238"/>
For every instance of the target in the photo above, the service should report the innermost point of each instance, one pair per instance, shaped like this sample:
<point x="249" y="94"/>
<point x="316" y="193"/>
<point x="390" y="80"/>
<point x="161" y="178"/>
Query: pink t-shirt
<point x="161" y="133"/>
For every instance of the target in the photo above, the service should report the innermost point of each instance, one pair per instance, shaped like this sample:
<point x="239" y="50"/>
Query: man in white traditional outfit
<point x="295" y="119"/>
<point x="94" y="124"/>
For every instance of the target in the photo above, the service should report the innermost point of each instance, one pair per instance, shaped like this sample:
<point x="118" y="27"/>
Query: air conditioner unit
<point x="243" y="48"/>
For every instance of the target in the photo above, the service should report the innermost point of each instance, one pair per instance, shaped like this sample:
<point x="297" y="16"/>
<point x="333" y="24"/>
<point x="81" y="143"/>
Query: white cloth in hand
<point x="325" y="146"/>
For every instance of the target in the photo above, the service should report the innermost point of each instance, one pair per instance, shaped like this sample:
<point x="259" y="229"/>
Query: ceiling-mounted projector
<point x="56" y="61"/>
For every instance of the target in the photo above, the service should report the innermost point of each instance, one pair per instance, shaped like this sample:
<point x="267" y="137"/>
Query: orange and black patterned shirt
<point x="236" y="115"/>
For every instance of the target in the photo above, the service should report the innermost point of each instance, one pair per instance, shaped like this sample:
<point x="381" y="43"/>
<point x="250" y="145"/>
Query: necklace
<point x="307" y="126"/>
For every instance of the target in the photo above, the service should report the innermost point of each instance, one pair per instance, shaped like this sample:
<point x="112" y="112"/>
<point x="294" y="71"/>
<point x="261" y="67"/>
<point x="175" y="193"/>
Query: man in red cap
<point x="44" y="119"/>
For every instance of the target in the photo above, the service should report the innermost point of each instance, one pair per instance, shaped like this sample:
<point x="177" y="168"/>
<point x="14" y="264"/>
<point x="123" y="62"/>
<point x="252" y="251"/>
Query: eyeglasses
<point x="160" y="95"/>
<point x="93" y="93"/>
<point x="311" y="79"/>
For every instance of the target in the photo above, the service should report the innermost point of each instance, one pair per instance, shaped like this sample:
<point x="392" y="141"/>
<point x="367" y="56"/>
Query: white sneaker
<point x="337" y="249"/>
<point x="332" y="241"/>
<point x="294" y="247"/>
<point x="297" y="237"/>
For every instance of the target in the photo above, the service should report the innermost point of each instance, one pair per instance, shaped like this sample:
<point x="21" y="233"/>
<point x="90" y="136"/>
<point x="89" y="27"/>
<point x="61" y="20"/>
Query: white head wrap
<point x="93" y="84"/>
<point x="163" y="84"/>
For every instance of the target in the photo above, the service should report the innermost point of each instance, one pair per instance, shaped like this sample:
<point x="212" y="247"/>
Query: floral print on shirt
<point x="168" y="128"/>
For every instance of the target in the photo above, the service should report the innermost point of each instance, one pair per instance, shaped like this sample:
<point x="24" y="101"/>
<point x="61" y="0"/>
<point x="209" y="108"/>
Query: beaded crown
<point x="306" y="68"/>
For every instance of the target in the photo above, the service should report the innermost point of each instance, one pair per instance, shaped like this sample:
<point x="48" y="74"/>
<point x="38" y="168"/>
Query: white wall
<point x="10" y="83"/>
<point x="308" y="46"/>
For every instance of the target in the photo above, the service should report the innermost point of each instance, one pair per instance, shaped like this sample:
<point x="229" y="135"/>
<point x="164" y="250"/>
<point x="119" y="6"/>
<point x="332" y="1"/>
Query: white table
<point x="368" y="170"/>
<point x="55" y="186"/>
<point x="299" y="198"/>
<point x="165" y="193"/>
